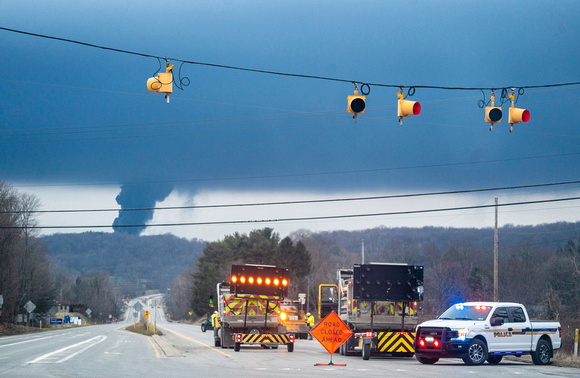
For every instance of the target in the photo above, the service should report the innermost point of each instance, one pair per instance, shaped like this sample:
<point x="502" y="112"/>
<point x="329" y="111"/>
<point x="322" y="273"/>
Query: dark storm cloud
<point x="138" y="197"/>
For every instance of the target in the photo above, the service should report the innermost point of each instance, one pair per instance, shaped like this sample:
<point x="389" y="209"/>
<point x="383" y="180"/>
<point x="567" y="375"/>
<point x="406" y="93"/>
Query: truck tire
<point x="216" y="337"/>
<point x="476" y="353"/>
<point x="236" y="347"/>
<point x="366" y="352"/>
<point x="291" y="347"/>
<point x="494" y="359"/>
<point x="427" y="360"/>
<point x="203" y="327"/>
<point x="543" y="352"/>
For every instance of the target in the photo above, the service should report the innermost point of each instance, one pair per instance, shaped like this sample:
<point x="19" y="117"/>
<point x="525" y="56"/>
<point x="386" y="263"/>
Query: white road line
<point x="82" y="350"/>
<point x="96" y="340"/>
<point x="26" y="341"/>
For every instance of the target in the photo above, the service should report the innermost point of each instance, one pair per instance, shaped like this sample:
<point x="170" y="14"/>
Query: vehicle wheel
<point x="291" y="347"/>
<point x="202" y="327"/>
<point x="543" y="352"/>
<point x="366" y="353"/>
<point x="255" y="331"/>
<point x="494" y="359"/>
<point x="236" y="347"/>
<point x="476" y="354"/>
<point x="427" y="360"/>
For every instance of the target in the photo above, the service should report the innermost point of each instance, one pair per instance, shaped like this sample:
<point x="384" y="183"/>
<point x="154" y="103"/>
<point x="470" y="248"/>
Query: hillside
<point x="142" y="262"/>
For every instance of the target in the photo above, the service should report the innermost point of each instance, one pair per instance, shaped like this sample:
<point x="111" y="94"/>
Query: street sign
<point x="137" y="306"/>
<point x="135" y="314"/>
<point x="1" y="300"/>
<point x="302" y="297"/>
<point x="89" y="312"/>
<point x="331" y="332"/>
<point x="29" y="306"/>
<point x="146" y="314"/>
<point x="55" y="321"/>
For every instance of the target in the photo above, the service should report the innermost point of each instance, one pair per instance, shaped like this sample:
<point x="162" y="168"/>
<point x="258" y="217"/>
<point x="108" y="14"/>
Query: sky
<point x="79" y="129"/>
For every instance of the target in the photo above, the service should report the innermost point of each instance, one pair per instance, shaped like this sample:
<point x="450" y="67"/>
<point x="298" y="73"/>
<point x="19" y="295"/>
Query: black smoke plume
<point x="137" y="197"/>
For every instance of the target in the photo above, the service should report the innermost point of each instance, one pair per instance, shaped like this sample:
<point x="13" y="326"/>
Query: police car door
<point x="499" y="339"/>
<point x="520" y="329"/>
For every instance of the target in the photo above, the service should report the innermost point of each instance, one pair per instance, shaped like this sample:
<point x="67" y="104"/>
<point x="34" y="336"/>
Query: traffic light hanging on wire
<point x="356" y="104"/>
<point x="517" y="115"/>
<point x="163" y="82"/>
<point x="492" y="113"/>
<point x="407" y="108"/>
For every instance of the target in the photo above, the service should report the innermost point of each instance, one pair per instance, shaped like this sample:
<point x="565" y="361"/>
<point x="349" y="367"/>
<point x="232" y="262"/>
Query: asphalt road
<point x="183" y="350"/>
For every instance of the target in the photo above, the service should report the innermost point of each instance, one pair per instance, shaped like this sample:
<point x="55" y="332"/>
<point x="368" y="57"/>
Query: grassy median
<point x="143" y="330"/>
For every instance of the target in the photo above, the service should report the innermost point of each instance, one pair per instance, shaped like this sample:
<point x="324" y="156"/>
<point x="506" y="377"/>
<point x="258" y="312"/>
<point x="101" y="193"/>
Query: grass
<point x="141" y="329"/>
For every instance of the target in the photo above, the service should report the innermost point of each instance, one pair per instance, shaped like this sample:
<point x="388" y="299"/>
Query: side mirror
<point x="496" y="321"/>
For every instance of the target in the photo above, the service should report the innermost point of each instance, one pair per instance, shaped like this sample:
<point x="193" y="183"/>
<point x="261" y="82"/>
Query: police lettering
<point x="502" y="334"/>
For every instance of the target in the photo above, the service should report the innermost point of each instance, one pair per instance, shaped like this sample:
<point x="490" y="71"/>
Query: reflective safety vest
<point x="310" y="321"/>
<point x="213" y="319"/>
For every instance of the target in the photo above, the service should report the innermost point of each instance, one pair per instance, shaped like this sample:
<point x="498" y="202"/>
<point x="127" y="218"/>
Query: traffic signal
<point x="517" y="115"/>
<point x="211" y="301"/>
<point x="163" y="82"/>
<point x="407" y="108"/>
<point x="492" y="113"/>
<point x="356" y="104"/>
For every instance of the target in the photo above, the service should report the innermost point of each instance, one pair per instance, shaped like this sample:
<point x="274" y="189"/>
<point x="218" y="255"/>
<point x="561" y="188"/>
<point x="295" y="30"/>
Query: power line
<point x="215" y="65"/>
<point x="301" y="202"/>
<point x="299" y="218"/>
<point x="293" y="175"/>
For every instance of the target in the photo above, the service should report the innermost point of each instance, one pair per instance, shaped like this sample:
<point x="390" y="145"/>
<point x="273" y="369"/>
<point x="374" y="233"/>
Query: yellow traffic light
<point x="356" y="104"/>
<point x="492" y="113"/>
<point x="163" y="82"/>
<point x="517" y="115"/>
<point x="407" y="108"/>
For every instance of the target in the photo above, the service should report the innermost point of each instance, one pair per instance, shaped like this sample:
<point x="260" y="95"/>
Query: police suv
<point x="486" y="331"/>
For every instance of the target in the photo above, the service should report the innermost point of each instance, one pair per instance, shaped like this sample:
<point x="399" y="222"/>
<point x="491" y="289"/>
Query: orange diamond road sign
<point x="331" y="332"/>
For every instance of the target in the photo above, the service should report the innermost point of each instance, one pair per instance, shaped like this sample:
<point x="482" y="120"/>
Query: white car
<point x="486" y="331"/>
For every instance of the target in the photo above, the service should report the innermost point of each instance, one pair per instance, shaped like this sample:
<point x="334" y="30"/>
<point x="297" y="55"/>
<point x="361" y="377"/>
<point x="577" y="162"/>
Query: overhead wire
<point x="278" y="73"/>
<point x="300" y="202"/>
<point x="314" y="218"/>
<point x="293" y="175"/>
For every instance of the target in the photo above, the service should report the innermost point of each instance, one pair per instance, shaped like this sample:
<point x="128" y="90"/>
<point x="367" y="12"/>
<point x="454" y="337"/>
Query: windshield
<point x="462" y="312"/>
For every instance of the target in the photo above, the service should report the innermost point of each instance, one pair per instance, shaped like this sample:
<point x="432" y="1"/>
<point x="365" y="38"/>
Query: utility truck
<point x="249" y="308"/>
<point x="486" y="331"/>
<point x="379" y="303"/>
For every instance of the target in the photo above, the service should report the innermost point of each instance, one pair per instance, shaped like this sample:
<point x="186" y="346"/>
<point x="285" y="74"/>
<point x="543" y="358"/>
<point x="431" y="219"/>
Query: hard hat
<point x="307" y="314"/>
<point x="215" y="312"/>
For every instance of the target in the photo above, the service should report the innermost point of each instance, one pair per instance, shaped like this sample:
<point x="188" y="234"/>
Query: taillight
<point x="436" y="343"/>
<point x="369" y="334"/>
<point x="238" y="337"/>
<point x="291" y="337"/>
<point x="560" y="331"/>
<point x="422" y="343"/>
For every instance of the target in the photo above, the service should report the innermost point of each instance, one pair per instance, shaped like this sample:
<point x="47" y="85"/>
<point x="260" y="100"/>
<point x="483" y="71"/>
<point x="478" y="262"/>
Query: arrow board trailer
<point x="249" y="308"/>
<point x="379" y="303"/>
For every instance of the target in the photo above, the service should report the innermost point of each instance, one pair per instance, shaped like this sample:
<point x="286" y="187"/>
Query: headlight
<point x="461" y="333"/>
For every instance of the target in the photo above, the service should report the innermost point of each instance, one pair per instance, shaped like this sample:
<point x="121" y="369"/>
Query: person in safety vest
<point x="213" y="316"/>
<point x="310" y="323"/>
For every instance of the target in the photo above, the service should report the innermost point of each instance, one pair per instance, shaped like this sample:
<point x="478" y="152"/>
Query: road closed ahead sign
<point x="331" y="332"/>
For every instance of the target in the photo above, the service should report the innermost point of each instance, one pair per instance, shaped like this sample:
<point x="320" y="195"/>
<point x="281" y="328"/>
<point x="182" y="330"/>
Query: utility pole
<point x="495" y="262"/>
<point x="362" y="252"/>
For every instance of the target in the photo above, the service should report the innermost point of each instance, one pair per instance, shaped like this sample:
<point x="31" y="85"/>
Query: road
<point x="183" y="350"/>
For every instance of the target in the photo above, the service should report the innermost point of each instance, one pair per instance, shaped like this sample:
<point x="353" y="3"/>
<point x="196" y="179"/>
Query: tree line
<point x="26" y="274"/>
<point x="536" y="266"/>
